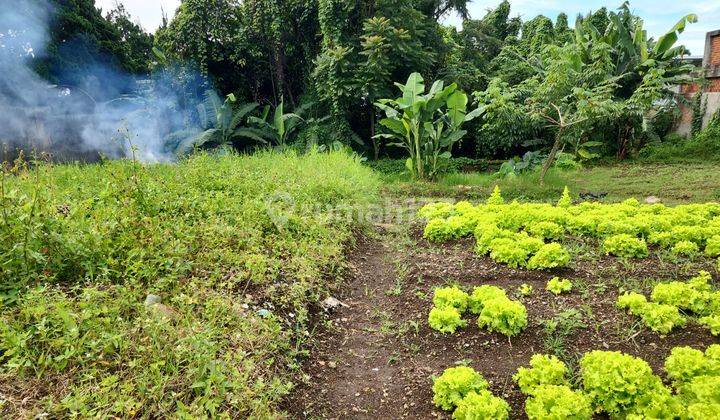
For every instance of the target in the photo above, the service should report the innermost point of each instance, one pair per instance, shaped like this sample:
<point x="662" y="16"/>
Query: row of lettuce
<point x="611" y="382"/>
<point x="530" y="235"/>
<point x="672" y="304"/>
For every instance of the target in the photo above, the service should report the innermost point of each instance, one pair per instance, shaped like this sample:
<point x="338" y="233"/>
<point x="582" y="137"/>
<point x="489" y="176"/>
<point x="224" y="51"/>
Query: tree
<point x="426" y="125"/>
<point x="135" y="42"/>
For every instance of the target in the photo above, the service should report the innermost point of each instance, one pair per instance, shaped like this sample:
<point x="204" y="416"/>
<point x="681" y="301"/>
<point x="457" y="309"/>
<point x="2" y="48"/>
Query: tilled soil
<point x="375" y="358"/>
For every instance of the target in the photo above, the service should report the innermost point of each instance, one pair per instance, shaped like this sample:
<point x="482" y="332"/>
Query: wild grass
<point x="673" y="183"/>
<point x="82" y="245"/>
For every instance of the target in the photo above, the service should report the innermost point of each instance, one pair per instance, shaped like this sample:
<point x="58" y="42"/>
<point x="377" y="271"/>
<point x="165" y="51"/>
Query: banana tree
<point x="224" y="124"/>
<point x="427" y="125"/>
<point x="282" y="126"/>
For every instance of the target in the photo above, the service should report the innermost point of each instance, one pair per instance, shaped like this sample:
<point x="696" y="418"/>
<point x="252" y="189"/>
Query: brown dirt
<point x="376" y="357"/>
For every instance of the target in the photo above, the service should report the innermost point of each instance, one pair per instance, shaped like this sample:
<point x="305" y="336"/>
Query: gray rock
<point x="652" y="200"/>
<point x="330" y="303"/>
<point x="151" y="300"/>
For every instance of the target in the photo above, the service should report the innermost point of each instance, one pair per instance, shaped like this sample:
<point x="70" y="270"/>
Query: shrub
<point x="482" y="294"/>
<point x="618" y="383"/>
<point x="451" y="296"/>
<point x="692" y="295"/>
<point x="543" y="370"/>
<point x="530" y="244"/>
<point x="712" y="247"/>
<point x="488" y="234"/>
<point x="557" y="402"/>
<point x="551" y="255"/>
<point x="454" y="384"/>
<point x="481" y="405"/>
<point x="445" y="319"/>
<point x="624" y="245"/>
<point x="685" y="249"/>
<point x="504" y="316"/>
<point x="495" y="198"/>
<point x="558" y="286"/>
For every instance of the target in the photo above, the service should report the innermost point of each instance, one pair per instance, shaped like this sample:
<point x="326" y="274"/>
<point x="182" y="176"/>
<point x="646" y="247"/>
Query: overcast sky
<point x="659" y="15"/>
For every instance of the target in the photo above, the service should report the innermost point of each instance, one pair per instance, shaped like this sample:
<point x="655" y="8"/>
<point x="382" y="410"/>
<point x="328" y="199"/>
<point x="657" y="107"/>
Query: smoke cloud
<point x="105" y="112"/>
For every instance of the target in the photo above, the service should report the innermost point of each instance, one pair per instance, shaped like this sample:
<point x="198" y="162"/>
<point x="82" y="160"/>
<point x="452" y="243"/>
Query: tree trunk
<point x="551" y="157"/>
<point x="376" y="145"/>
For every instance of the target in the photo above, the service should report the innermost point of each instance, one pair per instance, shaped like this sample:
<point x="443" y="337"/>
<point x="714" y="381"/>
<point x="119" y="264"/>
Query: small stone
<point x="652" y="200"/>
<point x="151" y="300"/>
<point x="332" y="365"/>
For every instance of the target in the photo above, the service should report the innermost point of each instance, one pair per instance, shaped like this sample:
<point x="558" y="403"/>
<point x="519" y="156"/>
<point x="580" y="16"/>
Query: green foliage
<point x="565" y="200"/>
<point x="685" y="249"/>
<point x="85" y="244"/>
<point x="454" y="384"/>
<point x="619" y="384"/>
<point x="558" y="286"/>
<point x="551" y="255"/>
<point x="483" y="294"/>
<point x="544" y="370"/>
<point x="509" y="252"/>
<point x="445" y="319"/>
<point x="503" y="315"/>
<point x="525" y="290"/>
<point x="495" y="198"/>
<point x="661" y="318"/>
<point x="426" y="125"/>
<point x="546" y="230"/>
<point x="633" y="302"/>
<point x="481" y="405"/>
<point x="451" y="296"/>
<point x="557" y="402"/>
<point x="712" y="248"/>
<point x="625" y="245"/>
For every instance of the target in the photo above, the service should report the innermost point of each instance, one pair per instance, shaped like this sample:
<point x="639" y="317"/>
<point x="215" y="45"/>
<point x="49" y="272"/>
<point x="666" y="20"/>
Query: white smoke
<point x="79" y="121"/>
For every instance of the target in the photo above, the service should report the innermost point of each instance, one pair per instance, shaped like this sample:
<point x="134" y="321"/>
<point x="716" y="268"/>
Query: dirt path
<point x="375" y="358"/>
<point x="354" y="370"/>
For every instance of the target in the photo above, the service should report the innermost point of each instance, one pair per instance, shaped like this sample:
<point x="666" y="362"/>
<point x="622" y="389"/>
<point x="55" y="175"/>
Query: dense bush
<point x="550" y="255"/>
<point x="82" y="246"/>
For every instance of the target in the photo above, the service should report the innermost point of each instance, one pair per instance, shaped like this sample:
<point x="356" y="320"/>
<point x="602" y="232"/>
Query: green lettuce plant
<point x="543" y="370"/>
<point x="557" y="286"/>
<point x="481" y="405"/>
<point x="503" y="315"/>
<point x="551" y="255"/>
<point x="685" y="249"/>
<point x="558" y="402"/>
<point x="625" y="245"/>
<point x="482" y="294"/>
<point x="451" y="296"/>
<point x="454" y="384"/>
<point x="445" y="319"/>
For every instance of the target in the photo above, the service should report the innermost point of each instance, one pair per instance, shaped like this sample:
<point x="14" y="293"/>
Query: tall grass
<point x="82" y="245"/>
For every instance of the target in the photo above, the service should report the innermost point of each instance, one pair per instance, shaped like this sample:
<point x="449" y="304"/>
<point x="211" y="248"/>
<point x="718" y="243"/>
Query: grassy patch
<point x="235" y="268"/>
<point x="673" y="183"/>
